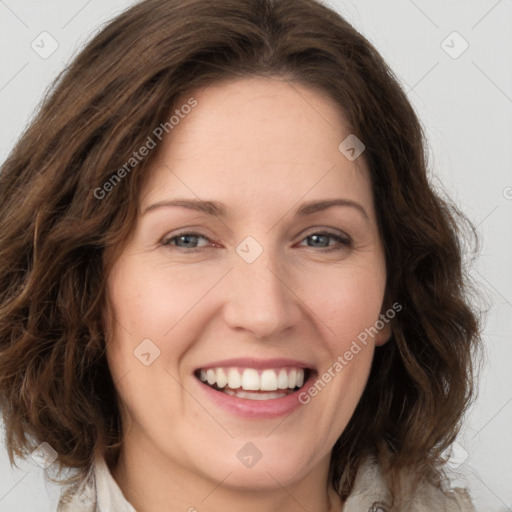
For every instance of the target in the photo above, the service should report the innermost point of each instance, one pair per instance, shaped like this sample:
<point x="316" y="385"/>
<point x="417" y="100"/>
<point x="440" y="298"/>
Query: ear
<point x="383" y="324"/>
<point x="384" y="334"/>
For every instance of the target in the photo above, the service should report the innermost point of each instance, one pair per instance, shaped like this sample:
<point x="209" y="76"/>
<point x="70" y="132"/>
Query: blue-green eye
<point x="343" y="242"/>
<point x="186" y="238"/>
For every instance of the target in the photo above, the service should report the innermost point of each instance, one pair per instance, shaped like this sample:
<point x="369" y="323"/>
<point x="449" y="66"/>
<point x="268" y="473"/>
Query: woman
<point x="252" y="369"/>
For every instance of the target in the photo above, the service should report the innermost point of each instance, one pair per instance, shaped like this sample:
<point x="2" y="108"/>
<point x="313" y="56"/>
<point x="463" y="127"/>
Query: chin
<point x="262" y="477"/>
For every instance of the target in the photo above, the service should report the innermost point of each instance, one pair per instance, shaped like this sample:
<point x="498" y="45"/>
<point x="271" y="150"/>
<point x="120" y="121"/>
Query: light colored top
<point x="99" y="492"/>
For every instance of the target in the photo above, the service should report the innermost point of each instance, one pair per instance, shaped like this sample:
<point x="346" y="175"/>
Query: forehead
<point x="257" y="138"/>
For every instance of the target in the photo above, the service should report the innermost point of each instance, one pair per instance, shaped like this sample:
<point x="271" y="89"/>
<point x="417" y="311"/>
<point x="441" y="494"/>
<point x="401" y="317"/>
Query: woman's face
<point x="249" y="299"/>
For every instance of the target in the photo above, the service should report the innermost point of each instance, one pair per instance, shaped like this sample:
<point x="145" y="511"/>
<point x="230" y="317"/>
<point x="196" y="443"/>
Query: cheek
<point x="149" y="301"/>
<point x="345" y="303"/>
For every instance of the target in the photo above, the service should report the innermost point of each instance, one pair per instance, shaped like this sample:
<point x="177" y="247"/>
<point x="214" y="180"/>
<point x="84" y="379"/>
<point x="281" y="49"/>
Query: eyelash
<point x="344" y="242"/>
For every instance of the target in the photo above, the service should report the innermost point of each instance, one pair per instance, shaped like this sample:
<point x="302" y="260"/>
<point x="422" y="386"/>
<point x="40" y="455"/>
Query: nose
<point x="261" y="299"/>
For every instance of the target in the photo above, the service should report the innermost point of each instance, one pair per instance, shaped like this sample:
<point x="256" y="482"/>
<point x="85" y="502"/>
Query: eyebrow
<point x="219" y="209"/>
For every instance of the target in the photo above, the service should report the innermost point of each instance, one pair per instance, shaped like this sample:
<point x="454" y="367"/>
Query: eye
<point x="322" y="236"/>
<point x="187" y="239"/>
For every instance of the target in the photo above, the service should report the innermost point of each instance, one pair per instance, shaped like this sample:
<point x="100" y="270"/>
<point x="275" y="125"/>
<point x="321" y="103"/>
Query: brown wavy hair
<point x="56" y="236"/>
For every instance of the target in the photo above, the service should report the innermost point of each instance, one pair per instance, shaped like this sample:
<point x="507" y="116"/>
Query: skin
<point x="262" y="147"/>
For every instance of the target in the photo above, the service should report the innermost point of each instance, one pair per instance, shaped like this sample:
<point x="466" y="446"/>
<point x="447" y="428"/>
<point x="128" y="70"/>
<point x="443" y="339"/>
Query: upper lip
<point x="257" y="363"/>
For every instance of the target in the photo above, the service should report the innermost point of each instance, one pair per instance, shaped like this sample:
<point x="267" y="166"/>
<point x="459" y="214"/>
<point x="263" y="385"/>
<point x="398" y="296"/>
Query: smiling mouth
<point x="254" y="384"/>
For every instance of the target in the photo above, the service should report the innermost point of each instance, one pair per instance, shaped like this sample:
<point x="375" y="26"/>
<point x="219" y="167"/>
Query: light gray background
<point x="465" y="104"/>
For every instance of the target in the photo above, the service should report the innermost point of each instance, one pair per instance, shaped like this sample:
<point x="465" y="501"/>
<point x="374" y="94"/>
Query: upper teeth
<point x="254" y="380"/>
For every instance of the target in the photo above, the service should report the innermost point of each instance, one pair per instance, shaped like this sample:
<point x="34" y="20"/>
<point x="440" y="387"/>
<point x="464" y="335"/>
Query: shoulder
<point x="371" y="494"/>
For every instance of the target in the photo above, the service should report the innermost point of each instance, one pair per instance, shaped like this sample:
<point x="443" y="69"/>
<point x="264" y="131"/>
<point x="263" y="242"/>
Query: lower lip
<point x="261" y="409"/>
